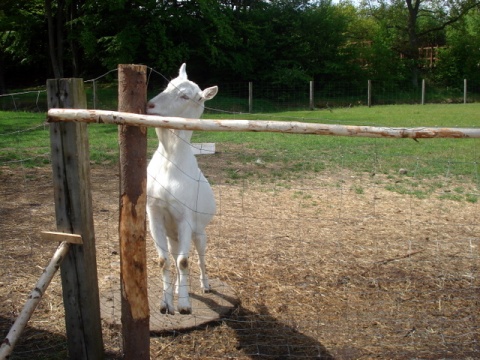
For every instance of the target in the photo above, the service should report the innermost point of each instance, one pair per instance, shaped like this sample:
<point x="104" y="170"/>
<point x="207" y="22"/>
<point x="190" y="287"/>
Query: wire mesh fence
<point x="244" y="97"/>
<point x="366" y="250"/>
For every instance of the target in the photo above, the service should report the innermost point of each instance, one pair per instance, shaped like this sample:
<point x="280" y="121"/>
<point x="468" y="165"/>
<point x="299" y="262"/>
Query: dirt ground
<point x="329" y="265"/>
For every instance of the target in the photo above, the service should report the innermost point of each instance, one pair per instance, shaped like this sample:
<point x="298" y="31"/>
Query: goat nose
<point x="150" y="105"/>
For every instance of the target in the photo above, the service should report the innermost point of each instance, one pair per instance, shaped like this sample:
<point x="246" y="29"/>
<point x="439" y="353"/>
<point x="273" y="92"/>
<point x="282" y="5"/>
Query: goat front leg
<point x="166" y="304"/>
<point x="201" y="246"/>
<point x="157" y="229"/>
<point x="181" y="254"/>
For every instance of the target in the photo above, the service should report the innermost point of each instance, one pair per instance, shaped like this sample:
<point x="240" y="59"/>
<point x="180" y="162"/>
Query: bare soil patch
<point x="322" y="270"/>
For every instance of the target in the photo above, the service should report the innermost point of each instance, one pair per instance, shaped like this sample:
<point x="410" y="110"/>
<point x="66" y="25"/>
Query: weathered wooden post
<point x="132" y="97"/>
<point x="423" y="91"/>
<point x="250" y="97"/>
<point x="312" y="96"/>
<point x="369" y="93"/>
<point x="73" y="209"/>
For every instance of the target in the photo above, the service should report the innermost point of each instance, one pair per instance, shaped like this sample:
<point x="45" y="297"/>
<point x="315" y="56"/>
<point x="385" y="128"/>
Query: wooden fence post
<point x="312" y="96"/>
<point x="250" y="97"/>
<point x="423" y="91"/>
<point x="369" y="93"/>
<point x="73" y="209"/>
<point x="132" y="97"/>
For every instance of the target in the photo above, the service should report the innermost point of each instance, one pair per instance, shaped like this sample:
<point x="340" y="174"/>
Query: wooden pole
<point x="369" y="93"/>
<point x="74" y="215"/>
<point x="288" y="127"/>
<point x="94" y="86"/>
<point x="423" y="91"/>
<point x="35" y="296"/>
<point x="312" y="103"/>
<point x="250" y="97"/>
<point x="132" y="97"/>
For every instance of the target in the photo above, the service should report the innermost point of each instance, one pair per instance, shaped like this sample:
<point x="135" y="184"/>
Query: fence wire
<point x="234" y="97"/>
<point x="333" y="257"/>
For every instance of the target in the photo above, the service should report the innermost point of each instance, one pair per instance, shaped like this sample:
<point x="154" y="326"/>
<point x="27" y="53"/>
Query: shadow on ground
<point x="35" y="343"/>
<point x="260" y="335"/>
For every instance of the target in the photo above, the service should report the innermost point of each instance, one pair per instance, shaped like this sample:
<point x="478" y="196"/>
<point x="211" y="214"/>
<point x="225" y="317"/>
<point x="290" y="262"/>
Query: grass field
<point x="24" y="139"/>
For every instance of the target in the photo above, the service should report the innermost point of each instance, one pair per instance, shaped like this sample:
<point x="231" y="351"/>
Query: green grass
<point x="425" y="158"/>
<point x="410" y="167"/>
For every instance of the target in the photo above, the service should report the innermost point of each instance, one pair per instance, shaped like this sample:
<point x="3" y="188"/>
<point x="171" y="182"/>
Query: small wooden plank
<point x="55" y="236"/>
<point x="203" y="148"/>
<point x="206" y="307"/>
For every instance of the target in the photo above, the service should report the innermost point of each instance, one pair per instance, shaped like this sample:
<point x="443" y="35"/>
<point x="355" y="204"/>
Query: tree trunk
<point x="72" y="15"/>
<point x="59" y="34"/>
<point x="412" y="53"/>
<point x="53" y="39"/>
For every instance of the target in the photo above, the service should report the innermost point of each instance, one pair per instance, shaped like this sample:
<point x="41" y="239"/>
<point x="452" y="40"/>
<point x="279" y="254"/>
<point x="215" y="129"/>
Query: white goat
<point x="180" y="199"/>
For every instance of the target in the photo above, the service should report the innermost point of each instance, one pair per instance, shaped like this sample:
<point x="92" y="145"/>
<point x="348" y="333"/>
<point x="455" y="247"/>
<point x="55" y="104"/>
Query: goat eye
<point x="184" y="97"/>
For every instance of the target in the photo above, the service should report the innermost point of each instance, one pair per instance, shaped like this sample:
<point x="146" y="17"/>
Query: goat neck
<point x="173" y="142"/>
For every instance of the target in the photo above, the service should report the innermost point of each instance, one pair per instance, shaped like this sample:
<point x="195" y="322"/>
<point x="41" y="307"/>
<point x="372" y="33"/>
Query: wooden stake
<point x="132" y="97"/>
<point x="35" y="296"/>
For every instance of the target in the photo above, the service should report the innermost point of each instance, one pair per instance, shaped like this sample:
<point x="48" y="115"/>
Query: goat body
<point x="180" y="200"/>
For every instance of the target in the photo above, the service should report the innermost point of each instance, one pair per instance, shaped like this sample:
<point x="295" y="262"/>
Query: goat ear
<point x="182" y="73"/>
<point x="209" y="93"/>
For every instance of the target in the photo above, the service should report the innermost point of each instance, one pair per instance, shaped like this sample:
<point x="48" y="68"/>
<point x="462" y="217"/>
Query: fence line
<point x="23" y="130"/>
<point x="122" y="118"/>
<point x="23" y="93"/>
<point x="238" y="98"/>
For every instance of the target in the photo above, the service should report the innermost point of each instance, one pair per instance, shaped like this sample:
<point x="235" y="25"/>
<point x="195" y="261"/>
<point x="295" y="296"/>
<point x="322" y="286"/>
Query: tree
<point x="55" y="36"/>
<point x="62" y="24"/>
<point x="459" y="59"/>
<point x="20" y="38"/>
<point x="289" y="42"/>
<point x="414" y="22"/>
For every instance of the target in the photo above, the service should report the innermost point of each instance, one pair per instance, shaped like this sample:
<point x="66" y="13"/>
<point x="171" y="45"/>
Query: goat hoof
<point x="207" y="290"/>
<point x="185" y="311"/>
<point x="166" y="310"/>
<point x="184" y="307"/>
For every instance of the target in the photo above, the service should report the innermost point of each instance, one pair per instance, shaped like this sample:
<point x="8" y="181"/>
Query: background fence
<point x="341" y="255"/>
<point x="270" y="97"/>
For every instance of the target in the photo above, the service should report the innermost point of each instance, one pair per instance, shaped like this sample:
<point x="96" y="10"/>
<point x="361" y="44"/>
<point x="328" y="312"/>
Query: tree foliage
<point x="461" y="58"/>
<point x="414" y="24"/>
<point x="282" y="41"/>
<point x="21" y="38"/>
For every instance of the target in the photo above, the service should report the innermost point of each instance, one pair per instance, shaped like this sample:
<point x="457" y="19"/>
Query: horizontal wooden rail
<point x="291" y="127"/>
